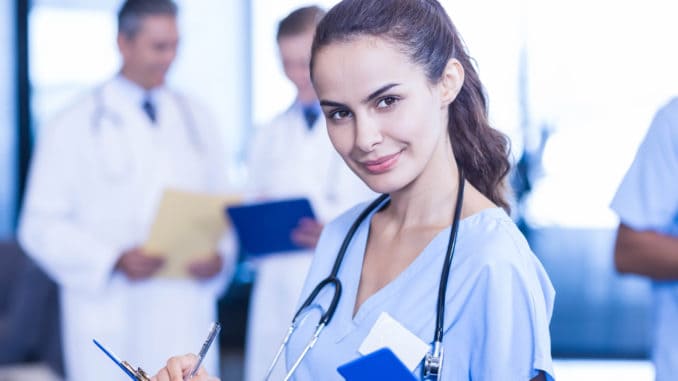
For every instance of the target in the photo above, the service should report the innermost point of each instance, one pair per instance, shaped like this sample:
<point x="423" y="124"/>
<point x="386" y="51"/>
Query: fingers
<point x="204" y="269"/>
<point x="310" y="224"/>
<point x="144" y="267"/>
<point x="203" y="376"/>
<point x="177" y="367"/>
<point x="163" y="375"/>
<point x="137" y="265"/>
<point x="303" y="240"/>
<point x="307" y="233"/>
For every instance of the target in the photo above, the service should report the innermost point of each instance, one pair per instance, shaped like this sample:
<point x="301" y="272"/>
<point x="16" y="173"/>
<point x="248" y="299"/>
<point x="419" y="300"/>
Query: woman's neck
<point x="429" y="200"/>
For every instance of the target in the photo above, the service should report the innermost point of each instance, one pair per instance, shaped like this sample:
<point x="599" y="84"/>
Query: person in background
<point x="96" y="179"/>
<point x="293" y="157"/>
<point x="406" y="110"/>
<point x="647" y="238"/>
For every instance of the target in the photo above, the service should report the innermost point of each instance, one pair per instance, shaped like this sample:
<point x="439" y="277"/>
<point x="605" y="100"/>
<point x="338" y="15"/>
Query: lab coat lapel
<point x="139" y="141"/>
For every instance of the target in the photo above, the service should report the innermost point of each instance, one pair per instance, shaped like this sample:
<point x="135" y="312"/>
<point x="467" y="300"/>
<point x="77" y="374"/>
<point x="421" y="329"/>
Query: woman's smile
<point x="382" y="164"/>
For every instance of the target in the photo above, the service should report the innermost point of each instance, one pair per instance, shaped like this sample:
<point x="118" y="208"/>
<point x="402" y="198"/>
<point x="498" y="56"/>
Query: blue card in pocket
<point x="381" y="364"/>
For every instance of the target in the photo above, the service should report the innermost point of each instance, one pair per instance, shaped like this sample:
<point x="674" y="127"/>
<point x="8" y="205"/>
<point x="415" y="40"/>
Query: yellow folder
<point x="187" y="227"/>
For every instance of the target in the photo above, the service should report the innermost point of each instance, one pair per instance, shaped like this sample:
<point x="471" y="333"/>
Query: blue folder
<point x="381" y="364"/>
<point x="266" y="227"/>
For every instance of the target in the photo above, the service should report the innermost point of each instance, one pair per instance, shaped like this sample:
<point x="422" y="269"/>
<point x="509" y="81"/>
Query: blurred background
<point x="574" y="84"/>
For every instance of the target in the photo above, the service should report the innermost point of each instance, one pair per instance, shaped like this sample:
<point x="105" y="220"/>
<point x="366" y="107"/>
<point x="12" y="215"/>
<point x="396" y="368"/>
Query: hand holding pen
<point x="176" y="366"/>
<point x="189" y="364"/>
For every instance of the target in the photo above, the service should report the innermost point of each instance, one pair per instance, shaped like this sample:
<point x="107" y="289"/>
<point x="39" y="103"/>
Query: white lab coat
<point x="286" y="159"/>
<point x="96" y="179"/>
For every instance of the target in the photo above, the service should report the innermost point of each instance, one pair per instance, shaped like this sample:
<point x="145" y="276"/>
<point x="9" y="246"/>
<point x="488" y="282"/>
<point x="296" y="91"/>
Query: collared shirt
<point x="310" y="111"/>
<point x="135" y="93"/>
<point x="138" y="95"/>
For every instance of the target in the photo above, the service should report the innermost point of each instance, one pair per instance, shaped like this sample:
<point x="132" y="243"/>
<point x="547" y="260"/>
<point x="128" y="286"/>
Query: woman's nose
<point x="368" y="133"/>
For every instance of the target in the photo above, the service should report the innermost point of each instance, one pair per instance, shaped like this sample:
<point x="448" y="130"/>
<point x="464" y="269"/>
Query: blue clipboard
<point x="381" y="364"/>
<point x="117" y="361"/>
<point x="266" y="227"/>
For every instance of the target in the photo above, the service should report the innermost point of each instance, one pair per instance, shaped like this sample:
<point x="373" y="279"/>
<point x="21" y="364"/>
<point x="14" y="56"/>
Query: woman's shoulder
<point x="664" y="127"/>
<point x="492" y="238"/>
<point x="669" y="110"/>
<point x="501" y="256"/>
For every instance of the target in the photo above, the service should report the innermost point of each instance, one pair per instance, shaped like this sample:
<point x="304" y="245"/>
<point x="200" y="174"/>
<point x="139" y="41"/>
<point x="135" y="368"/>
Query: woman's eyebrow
<point x="331" y="103"/>
<point x="368" y="99"/>
<point x="379" y="91"/>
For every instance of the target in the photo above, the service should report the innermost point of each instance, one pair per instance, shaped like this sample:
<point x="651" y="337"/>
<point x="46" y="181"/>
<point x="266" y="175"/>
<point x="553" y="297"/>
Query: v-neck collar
<point x="346" y="319"/>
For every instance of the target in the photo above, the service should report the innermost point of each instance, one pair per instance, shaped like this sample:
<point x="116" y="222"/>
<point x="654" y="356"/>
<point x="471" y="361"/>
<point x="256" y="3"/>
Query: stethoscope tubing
<point x="101" y="111"/>
<point x="445" y="274"/>
<point x="333" y="280"/>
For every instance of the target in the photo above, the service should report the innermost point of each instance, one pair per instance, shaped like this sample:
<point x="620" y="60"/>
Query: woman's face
<point x="386" y="120"/>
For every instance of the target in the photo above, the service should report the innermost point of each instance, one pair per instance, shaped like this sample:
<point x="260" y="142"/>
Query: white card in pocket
<point x="389" y="333"/>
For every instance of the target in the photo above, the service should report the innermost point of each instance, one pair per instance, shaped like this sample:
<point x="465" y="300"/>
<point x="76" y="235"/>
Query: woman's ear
<point x="451" y="81"/>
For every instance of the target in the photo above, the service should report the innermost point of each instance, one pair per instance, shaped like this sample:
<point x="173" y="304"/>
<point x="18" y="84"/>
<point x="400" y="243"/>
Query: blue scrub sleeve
<point x="513" y="340"/>
<point x="648" y="195"/>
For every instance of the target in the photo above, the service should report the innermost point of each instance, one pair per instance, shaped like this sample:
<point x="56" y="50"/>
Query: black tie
<point x="310" y="114"/>
<point x="149" y="109"/>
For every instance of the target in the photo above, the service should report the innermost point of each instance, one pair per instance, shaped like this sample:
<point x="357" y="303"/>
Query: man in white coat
<point x="98" y="173"/>
<point x="293" y="157"/>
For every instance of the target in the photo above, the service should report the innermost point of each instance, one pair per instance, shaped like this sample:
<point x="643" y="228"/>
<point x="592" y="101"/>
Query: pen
<point x="214" y="332"/>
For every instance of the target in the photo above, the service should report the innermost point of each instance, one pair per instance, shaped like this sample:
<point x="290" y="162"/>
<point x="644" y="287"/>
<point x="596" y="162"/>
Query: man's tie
<point x="311" y="115"/>
<point x="149" y="109"/>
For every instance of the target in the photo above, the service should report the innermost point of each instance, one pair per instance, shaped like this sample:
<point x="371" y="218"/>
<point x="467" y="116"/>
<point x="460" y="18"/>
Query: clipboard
<point x="187" y="226"/>
<point x="381" y="364"/>
<point x="266" y="227"/>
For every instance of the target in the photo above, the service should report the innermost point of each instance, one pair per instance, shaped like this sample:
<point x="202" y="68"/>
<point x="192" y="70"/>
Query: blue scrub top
<point x="647" y="199"/>
<point x="498" y="305"/>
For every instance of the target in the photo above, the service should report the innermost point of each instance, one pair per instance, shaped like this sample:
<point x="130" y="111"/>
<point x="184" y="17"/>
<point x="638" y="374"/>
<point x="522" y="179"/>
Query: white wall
<point x="598" y="72"/>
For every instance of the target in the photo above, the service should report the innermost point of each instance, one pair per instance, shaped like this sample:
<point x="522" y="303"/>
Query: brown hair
<point x="300" y="21"/>
<point x="426" y="34"/>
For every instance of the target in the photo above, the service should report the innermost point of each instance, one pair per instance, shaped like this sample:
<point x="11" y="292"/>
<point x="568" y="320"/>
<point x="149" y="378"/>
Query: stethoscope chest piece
<point x="433" y="362"/>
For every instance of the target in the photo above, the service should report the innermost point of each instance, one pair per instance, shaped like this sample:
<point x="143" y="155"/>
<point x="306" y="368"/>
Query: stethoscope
<point x="104" y="118"/>
<point x="433" y="362"/>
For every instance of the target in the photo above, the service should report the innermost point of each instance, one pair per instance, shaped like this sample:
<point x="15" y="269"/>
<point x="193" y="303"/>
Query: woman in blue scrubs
<point x="406" y="111"/>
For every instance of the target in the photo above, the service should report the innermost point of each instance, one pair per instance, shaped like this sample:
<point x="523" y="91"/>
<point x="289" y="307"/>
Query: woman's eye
<point x="340" y="114"/>
<point x="386" y="102"/>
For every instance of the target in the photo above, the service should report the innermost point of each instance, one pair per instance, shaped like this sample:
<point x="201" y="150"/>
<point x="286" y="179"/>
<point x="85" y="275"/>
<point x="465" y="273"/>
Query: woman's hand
<point x="179" y="366"/>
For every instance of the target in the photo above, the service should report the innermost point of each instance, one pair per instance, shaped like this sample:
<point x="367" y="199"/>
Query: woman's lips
<point x="382" y="164"/>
